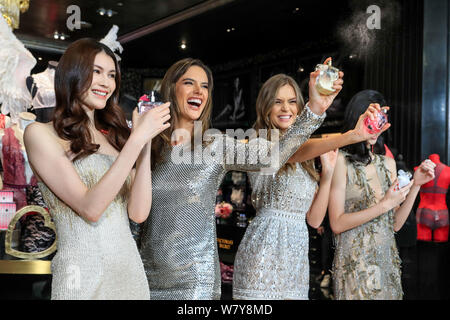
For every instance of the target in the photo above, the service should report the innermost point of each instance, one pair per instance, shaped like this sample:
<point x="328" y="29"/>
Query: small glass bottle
<point x="328" y="75"/>
<point x="375" y="125"/>
<point x="148" y="102"/>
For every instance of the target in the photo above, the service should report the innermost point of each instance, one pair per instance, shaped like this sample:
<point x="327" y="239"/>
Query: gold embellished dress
<point x="95" y="260"/>
<point x="178" y="244"/>
<point x="366" y="263"/>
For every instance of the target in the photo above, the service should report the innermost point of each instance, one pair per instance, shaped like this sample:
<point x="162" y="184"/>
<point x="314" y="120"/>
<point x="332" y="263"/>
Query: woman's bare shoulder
<point x="38" y="133"/>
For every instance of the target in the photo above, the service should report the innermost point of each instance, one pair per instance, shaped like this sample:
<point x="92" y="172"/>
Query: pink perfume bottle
<point x="375" y="125"/>
<point x="148" y="102"/>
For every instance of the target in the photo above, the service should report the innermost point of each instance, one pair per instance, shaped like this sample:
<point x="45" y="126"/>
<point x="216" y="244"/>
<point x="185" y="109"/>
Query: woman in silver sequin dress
<point x="84" y="162"/>
<point x="178" y="244"/>
<point x="272" y="258"/>
<point x="365" y="210"/>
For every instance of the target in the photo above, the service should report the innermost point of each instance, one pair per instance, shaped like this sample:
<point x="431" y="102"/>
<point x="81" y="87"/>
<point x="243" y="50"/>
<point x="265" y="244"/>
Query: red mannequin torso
<point x="432" y="214"/>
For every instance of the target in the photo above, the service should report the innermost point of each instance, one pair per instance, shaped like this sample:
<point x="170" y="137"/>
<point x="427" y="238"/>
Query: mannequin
<point x="17" y="173"/>
<point x="41" y="87"/>
<point x="432" y="235"/>
<point x="432" y="214"/>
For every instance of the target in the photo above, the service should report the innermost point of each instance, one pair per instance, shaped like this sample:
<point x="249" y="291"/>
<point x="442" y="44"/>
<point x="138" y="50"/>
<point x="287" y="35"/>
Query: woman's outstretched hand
<point x="360" y="131"/>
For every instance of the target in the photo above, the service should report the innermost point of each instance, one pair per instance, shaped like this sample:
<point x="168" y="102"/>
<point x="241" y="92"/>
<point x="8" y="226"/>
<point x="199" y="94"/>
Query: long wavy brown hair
<point x="168" y="93"/>
<point x="264" y="104"/>
<point x="73" y="77"/>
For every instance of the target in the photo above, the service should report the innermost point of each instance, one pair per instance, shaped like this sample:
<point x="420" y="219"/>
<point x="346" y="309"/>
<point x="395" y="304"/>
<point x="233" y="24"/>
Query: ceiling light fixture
<point x="183" y="46"/>
<point x="107" y="12"/>
<point x="60" y="36"/>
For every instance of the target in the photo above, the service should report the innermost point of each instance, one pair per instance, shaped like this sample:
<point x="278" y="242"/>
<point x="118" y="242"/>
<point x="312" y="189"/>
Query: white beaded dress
<point x="272" y="259"/>
<point x="95" y="260"/>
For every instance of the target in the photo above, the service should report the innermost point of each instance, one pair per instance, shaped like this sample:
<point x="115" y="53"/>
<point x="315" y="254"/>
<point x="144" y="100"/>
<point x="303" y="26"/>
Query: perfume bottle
<point x="375" y="125"/>
<point x="328" y="75"/>
<point x="148" y="102"/>
<point x="404" y="178"/>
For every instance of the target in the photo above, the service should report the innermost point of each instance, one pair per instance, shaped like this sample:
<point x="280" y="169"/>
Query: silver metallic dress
<point x="178" y="244"/>
<point x="272" y="259"/>
<point x="366" y="263"/>
<point x="95" y="260"/>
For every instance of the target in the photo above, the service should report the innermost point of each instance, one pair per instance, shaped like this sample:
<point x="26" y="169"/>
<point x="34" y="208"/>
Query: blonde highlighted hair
<point x="264" y="104"/>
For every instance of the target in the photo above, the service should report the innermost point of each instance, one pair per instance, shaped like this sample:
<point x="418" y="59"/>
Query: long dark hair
<point x="357" y="106"/>
<point x="73" y="77"/>
<point x="168" y="93"/>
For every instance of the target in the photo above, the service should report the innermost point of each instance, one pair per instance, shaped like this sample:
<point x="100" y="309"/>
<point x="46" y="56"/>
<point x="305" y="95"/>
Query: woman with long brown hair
<point x="179" y="247"/>
<point x="84" y="162"/>
<point x="272" y="258"/>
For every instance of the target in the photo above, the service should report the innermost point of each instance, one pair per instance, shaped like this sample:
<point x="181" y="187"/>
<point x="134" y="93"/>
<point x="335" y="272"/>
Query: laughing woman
<point x="84" y="161"/>
<point x="179" y="247"/>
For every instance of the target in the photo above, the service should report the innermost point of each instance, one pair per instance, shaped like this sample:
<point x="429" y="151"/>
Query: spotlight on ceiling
<point x="101" y="11"/>
<point x="352" y="56"/>
<point x="60" y="36"/>
<point x="183" y="46"/>
<point x="300" y="69"/>
<point x="110" y="13"/>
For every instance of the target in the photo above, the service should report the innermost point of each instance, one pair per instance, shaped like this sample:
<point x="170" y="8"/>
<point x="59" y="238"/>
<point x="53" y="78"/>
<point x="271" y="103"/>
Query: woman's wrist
<point x="383" y="206"/>
<point x="326" y="175"/>
<point x="136" y="140"/>
<point x="353" y="136"/>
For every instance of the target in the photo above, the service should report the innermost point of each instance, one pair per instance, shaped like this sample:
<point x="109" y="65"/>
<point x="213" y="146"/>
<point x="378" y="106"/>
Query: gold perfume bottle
<point x="328" y="74"/>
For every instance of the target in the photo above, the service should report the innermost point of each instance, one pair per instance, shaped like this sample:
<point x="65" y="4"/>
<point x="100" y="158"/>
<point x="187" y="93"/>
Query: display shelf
<point x="25" y="267"/>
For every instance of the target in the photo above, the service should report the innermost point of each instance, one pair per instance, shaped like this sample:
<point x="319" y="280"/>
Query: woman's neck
<point x="90" y="113"/>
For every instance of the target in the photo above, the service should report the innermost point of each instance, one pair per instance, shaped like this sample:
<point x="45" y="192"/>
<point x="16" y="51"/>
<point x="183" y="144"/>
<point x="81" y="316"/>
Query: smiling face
<point x="285" y="108"/>
<point x="103" y="82"/>
<point x="192" y="93"/>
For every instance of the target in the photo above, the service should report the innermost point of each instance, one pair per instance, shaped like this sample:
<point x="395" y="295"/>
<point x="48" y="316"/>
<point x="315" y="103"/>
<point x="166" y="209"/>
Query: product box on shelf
<point x="7" y="212"/>
<point x="6" y="196"/>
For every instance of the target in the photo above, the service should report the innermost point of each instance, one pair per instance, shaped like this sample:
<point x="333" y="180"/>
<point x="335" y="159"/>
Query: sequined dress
<point x="272" y="259"/>
<point x="366" y="263"/>
<point x="178" y="244"/>
<point x="95" y="260"/>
